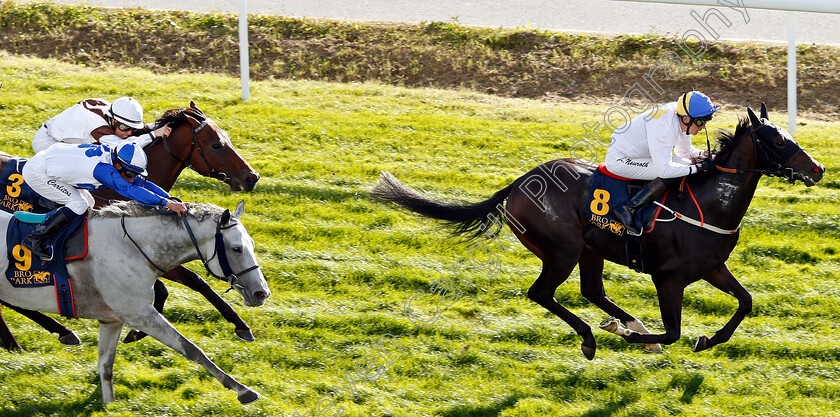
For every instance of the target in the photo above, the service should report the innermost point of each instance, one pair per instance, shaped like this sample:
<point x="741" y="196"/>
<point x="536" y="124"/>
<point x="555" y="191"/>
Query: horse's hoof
<point x="702" y="343"/>
<point x="245" y="334"/>
<point x="588" y="352"/>
<point x="611" y="325"/>
<point x="248" y="397"/>
<point x="133" y="336"/>
<point x="70" y="339"/>
<point x="652" y="347"/>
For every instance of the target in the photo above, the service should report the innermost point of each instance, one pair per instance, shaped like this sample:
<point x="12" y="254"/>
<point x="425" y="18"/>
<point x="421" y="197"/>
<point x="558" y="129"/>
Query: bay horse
<point x="198" y="143"/>
<point x="545" y="210"/>
<point x="117" y="293"/>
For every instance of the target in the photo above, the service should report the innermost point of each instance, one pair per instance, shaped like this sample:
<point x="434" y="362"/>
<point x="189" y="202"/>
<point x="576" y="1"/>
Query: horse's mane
<point x="726" y="139"/>
<point x="175" y="117"/>
<point x="199" y="211"/>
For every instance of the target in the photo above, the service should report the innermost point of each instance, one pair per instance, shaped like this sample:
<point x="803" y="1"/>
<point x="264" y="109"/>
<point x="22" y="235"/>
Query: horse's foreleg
<point x="148" y="320"/>
<point x="670" y="295"/>
<point x="109" y="336"/>
<point x="592" y="287"/>
<point x="723" y="280"/>
<point x="542" y="292"/>
<point x="161" y="294"/>
<point x="65" y="335"/>
<point x="194" y="281"/>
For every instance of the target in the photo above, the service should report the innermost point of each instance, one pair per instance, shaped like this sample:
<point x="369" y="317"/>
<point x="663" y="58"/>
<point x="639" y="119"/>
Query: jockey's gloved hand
<point x="708" y="165"/>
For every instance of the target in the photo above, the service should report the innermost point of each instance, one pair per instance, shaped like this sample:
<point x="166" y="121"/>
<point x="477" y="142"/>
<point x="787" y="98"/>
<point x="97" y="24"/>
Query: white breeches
<point x="42" y="140"/>
<point x="35" y="175"/>
<point x="636" y="168"/>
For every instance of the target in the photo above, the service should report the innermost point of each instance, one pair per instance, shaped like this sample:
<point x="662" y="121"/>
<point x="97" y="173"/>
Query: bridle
<point x="771" y="159"/>
<point x="214" y="173"/>
<point x="219" y="249"/>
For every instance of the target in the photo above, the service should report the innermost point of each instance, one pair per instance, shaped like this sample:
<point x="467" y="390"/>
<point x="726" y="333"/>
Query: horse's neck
<point x="166" y="243"/>
<point x="727" y="196"/>
<point x="163" y="168"/>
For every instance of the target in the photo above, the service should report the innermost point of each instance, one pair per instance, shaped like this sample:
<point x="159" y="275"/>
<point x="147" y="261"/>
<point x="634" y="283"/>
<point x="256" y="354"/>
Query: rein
<point x="219" y="250"/>
<point x="214" y="173"/>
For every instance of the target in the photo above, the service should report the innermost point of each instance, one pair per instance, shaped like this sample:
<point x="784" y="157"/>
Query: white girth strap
<point x="697" y="223"/>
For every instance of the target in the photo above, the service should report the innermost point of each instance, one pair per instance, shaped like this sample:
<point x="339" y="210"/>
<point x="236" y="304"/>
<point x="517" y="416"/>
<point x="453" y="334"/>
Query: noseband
<point x="214" y="173"/>
<point x="219" y="250"/>
<point x="771" y="160"/>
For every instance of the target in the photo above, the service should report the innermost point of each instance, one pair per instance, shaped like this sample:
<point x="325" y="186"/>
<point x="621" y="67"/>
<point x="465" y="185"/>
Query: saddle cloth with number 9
<point x="608" y="191"/>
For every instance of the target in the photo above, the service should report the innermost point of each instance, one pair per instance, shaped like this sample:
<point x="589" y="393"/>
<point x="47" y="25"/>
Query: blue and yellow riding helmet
<point x="696" y="106"/>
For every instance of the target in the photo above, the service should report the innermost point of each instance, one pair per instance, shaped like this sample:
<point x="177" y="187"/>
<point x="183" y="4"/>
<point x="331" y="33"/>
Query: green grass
<point x="342" y="267"/>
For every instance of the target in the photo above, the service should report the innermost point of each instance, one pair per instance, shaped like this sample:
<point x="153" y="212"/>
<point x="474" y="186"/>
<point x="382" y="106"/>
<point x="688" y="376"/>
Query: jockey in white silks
<point x="645" y="150"/>
<point x="95" y="121"/>
<point x="65" y="172"/>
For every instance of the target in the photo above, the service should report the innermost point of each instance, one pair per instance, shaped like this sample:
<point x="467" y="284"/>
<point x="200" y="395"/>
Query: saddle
<point x="16" y="195"/>
<point x="25" y="270"/>
<point x="608" y="191"/>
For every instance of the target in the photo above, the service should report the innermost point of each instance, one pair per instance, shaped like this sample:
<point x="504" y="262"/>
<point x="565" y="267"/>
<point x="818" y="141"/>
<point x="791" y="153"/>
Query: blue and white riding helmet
<point x="131" y="157"/>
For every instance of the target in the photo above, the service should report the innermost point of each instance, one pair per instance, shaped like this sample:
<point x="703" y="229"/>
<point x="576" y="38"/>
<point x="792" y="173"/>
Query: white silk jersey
<point x="645" y="148"/>
<point x="87" y="122"/>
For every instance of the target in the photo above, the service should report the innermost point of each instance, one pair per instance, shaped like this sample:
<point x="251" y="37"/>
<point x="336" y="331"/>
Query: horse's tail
<point x="470" y="220"/>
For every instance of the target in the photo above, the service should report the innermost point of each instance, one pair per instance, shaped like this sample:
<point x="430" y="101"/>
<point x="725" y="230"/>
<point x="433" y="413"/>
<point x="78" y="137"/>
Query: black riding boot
<point x="627" y="212"/>
<point x="49" y="227"/>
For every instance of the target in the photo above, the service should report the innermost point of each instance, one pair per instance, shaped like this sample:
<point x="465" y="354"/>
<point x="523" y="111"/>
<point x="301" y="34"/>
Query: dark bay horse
<point x="545" y="211"/>
<point x="196" y="142"/>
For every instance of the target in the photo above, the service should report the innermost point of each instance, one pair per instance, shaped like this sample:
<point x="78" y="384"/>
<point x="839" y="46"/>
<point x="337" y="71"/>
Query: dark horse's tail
<point x="471" y="220"/>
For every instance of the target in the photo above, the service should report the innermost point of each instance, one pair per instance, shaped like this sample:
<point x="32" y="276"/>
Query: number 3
<point x="13" y="190"/>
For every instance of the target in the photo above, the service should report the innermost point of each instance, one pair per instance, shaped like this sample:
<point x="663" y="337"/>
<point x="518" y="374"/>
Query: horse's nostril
<point x="251" y="179"/>
<point x="260" y="295"/>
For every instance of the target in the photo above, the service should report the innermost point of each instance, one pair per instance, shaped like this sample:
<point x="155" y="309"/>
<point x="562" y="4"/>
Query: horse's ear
<point x="754" y="120"/>
<point x="194" y="107"/>
<point x="764" y="111"/>
<point x="240" y="209"/>
<point x="225" y="218"/>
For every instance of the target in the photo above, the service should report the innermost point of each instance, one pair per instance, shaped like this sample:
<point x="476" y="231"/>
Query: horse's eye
<point x="237" y="249"/>
<point x="217" y="145"/>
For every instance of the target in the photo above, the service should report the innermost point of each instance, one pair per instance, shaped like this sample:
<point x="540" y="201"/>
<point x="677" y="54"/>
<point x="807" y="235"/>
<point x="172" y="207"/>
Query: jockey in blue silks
<point x="645" y="150"/>
<point x="65" y="172"/>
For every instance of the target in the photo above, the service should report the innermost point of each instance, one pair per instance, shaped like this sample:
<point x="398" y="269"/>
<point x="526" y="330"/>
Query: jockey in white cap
<point x="645" y="150"/>
<point x="96" y="121"/>
<point x="65" y="172"/>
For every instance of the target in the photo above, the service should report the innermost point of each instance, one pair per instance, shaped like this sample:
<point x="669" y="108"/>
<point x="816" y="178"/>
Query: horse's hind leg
<point x="592" y="287"/>
<point x="723" y="280"/>
<point x="65" y="335"/>
<point x="542" y="291"/>
<point x="9" y="341"/>
<point x="148" y="320"/>
<point x="109" y="336"/>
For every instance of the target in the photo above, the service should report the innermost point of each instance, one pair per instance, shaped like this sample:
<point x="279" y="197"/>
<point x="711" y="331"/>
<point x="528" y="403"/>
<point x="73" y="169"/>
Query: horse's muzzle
<point x="813" y="177"/>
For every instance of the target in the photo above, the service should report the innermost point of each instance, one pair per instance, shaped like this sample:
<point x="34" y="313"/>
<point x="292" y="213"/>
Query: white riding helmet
<point x="131" y="157"/>
<point x="127" y="111"/>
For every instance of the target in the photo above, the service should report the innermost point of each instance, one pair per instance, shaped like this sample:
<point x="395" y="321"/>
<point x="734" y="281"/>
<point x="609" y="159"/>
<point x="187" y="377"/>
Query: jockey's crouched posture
<point x="65" y="172"/>
<point x="644" y="150"/>
<point x="93" y="120"/>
